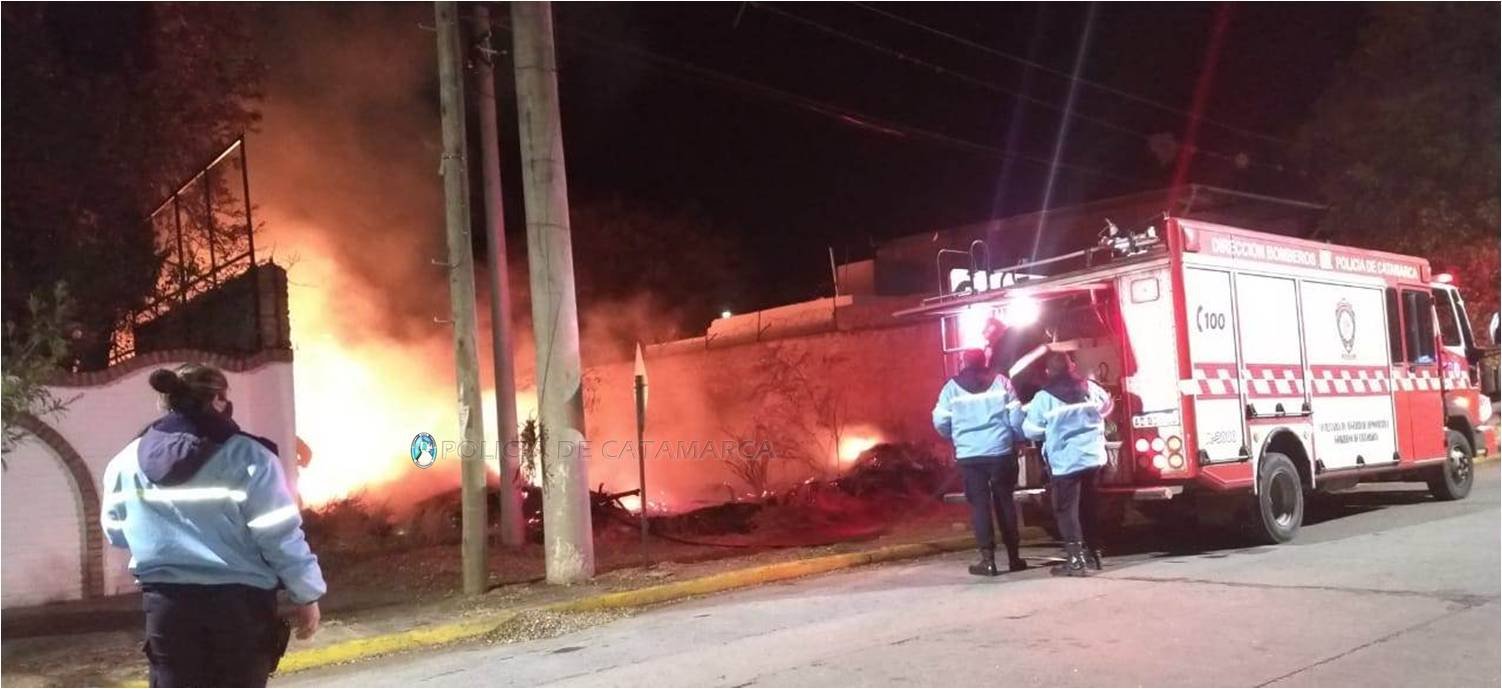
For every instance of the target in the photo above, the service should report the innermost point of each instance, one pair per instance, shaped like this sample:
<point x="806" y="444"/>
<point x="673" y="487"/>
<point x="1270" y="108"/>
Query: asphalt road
<point x="1383" y="587"/>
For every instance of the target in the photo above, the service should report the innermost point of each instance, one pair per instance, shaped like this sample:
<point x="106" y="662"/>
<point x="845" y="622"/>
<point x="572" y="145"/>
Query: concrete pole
<point x="567" y="535"/>
<point x="512" y="529"/>
<point x="462" y="300"/>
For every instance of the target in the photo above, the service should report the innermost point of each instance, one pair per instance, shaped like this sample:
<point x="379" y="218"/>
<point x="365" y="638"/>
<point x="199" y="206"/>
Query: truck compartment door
<point x="1272" y="354"/>
<point x="1346" y="345"/>
<point x="1219" y="423"/>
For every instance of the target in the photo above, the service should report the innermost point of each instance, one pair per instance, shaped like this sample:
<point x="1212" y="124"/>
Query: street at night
<point x="1387" y="589"/>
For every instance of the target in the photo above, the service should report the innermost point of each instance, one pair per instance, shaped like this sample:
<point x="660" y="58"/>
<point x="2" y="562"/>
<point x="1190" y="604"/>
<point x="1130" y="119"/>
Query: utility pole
<point x="461" y="270"/>
<point x="500" y="282"/>
<point x="567" y="537"/>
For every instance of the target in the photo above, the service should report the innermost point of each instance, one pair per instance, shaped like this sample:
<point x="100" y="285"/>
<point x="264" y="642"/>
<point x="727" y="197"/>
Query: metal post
<point x="641" y="463"/>
<point x="640" y="374"/>
<point x="512" y="529"/>
<point x="461" y="276"/>
<point x="208" y="219"/>
<point x="182" y="274"/>
<point x="567" y="534"/>
<point x="250" y="240"/>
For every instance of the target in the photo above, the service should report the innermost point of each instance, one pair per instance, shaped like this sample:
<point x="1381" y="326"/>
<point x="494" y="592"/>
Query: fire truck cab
<point x="1249" y="369"/>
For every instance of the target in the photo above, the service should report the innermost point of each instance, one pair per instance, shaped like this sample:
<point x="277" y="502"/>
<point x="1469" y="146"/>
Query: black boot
<point x="987" y="565"/>
<point x="1074" y="563"/>
<point x="1015" y="563"/>
<point x="1092" y="558"/>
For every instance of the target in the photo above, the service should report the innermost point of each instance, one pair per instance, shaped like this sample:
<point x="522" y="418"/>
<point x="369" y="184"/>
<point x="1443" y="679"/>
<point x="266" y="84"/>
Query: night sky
<point x="656" y="106"/>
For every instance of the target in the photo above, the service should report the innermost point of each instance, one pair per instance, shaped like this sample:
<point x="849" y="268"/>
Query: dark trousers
<point x="989" y="482"/>
<point x="1074" y="506"/>
<point x="224" y="635"/>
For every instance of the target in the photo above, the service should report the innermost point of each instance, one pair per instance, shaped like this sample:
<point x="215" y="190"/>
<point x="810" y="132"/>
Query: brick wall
<point x="47" y="543"/>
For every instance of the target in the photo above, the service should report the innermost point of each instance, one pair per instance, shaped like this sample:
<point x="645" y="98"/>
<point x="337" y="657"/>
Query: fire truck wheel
<point x="1279" y="507"/>
<point x="1452" y="481"/>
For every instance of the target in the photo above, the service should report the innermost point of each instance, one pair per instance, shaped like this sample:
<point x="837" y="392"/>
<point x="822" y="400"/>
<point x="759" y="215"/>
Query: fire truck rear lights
<point x="1141" y="445"/>
<point x="1158" y="445"/>
<point x="1176" y="461"/>
<point x="1160" y="462"/>
<point x="1175" y="443"/>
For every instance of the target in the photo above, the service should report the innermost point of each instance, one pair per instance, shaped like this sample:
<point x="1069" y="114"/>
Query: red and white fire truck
<point x="1249" y="368"/>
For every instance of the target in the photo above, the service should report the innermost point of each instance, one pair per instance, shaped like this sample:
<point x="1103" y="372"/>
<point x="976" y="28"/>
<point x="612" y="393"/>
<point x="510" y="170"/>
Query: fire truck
<point x="1249" y="369"/>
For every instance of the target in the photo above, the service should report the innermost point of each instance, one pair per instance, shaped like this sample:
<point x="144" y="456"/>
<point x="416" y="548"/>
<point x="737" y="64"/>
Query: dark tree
<point x="107" y="108"/>
<point x="1404" y="145"/>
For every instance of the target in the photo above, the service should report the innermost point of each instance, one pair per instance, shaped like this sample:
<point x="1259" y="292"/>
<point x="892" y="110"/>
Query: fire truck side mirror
<point x="1491" y="331"/>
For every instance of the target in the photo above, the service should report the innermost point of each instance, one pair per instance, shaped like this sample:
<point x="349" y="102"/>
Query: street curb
<point x="428" y="636"/>
<point x="752" y="576"/>
<point x="382" y="644"/>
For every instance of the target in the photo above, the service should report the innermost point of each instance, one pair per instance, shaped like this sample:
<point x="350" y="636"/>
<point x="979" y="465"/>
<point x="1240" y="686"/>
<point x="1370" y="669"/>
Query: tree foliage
<point x="107" y="109"/>
<point x="1404" y="145"/>
<point x="31" y="359"/>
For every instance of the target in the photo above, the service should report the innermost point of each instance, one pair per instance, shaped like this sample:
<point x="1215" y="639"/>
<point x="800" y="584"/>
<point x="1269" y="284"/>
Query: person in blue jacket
<point x="975" y="411"/>
<point x="1068" y="415"/>
<point x="213" y="532"/>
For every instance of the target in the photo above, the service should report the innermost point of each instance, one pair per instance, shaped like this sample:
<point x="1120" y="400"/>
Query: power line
<point x="841" y="114"/>
<point x="1143" y="100"/>
<point x="1235" y="160"/>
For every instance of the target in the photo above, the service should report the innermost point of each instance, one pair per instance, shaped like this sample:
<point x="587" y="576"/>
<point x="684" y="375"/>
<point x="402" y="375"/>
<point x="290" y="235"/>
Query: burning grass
<point x="885" y="483"/>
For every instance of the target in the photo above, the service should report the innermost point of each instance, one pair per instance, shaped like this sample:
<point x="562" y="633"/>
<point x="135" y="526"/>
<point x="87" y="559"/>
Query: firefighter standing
<point x="975" y="411"/>
<point x="212" y="531"/>
<point x="1068" y="416"/>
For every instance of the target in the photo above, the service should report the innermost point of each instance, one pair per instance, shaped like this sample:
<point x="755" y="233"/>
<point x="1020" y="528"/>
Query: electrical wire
<point x="844" y="115"/>
<point x="1106" y="88"/>
<point x="1067" y="112"/>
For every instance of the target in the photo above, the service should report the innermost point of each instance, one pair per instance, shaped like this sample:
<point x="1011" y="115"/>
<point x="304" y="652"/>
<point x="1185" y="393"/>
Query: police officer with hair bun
<point x="213" y="532"/>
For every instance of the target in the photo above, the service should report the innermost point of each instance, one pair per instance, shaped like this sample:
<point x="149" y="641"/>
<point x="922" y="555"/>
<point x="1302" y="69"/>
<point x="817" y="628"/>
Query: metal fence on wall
<point x="205" y="237"/>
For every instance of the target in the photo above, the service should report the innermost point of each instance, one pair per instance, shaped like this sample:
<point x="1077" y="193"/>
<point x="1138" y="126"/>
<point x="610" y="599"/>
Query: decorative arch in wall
<point x="91" y="541"/>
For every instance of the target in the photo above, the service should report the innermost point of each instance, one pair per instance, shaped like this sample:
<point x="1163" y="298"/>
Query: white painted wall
<point x="42" y="528"/>
<point x="98" y="423"/>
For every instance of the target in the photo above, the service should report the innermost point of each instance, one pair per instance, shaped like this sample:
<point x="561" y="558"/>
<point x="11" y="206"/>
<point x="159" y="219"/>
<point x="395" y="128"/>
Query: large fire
<point x="348" y="200"/>
<point x="361" y="399"/>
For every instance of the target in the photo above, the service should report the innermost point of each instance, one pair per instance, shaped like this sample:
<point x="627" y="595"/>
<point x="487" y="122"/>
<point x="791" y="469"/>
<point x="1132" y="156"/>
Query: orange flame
<point x="360" y="399"/>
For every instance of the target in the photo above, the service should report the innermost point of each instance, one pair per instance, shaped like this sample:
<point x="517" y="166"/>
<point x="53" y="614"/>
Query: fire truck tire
<point x="1278" y="510"/>
<point x="1453" y="479"/>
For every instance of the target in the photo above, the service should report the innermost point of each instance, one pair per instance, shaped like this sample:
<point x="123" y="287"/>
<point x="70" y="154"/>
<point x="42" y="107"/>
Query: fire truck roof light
<point x="1445" y="278"/>
<point x="1020" y="312"/>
